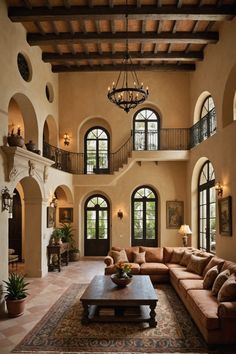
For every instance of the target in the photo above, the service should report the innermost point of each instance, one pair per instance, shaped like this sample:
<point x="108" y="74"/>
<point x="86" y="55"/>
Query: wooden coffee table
<point x="103" y="301"/>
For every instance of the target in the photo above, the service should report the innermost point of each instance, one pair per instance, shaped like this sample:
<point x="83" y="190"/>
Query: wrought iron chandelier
<point x="127" y="92"/>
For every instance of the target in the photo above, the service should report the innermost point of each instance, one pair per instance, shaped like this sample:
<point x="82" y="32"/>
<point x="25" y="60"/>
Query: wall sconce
<point x="7" y="201"/>
<point x="219" y="189"/>
<point x="66" y="139"/>
<point x="120" y="214"/>
<point x="53" y="202"/>
<point x="185" y="231"/>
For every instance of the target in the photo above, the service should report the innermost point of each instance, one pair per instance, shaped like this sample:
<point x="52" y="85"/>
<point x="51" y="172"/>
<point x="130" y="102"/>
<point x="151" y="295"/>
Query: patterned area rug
<point x="61" y="331"/>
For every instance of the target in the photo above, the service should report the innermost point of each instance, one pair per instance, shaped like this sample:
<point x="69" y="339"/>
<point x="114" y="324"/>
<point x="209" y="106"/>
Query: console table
<point x="58" y="250"/>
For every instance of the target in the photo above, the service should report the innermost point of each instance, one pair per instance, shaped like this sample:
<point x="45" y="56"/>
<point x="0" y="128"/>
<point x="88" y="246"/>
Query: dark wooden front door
<point x="15" y="226"/>
<point x="96" y="236"/>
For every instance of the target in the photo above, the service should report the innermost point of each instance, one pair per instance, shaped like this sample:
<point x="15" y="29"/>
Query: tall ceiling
<point x="92" y="35"/>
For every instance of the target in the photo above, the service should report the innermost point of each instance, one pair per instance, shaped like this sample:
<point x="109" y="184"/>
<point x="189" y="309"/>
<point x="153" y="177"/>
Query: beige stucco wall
<point x="213" y="75"/>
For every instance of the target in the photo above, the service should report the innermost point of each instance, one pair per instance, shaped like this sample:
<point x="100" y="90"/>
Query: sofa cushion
<point x="175" y="265"/>
<point x="220" y="279"/>
<point x="210" y="277"/>
<point x="139" y="257"/>
<point x="167" y="252"/>
<point x="153" y="254"/>
<point x="190" y="284"/>
<point x="186" y="258"/>
<point x="176" y="256"/>
<point x="213" y="262"/>
<point x="229" y="265"/>
<point x="182" y="273"/>
<point x="119" y="256"/>
<point x="204" y="306"/>
<point x="153" y="268"/>
<point x="129" y="251"/>
<point x="228" y="290"/>
<point x="197" y="264"/>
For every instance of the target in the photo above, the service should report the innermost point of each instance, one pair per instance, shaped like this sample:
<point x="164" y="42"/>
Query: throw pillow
<point x="186" y="258"/>
<point x="210" y="277"/>
<point x="228" y="290"/>
<point x="220" y="279"/>
<point x="213" y="262"/>
<point x="197" y="264"/>
<point x="119" y="256"/>
<point x="176" y="256"/>
<point x="139" y="257"/>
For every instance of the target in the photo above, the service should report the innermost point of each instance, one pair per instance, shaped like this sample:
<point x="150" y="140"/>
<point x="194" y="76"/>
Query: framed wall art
<point x="65" y="215"/>
<point x="50" y="216"/>
<point x="174" y="214"/>
<point x="225" y="216"/>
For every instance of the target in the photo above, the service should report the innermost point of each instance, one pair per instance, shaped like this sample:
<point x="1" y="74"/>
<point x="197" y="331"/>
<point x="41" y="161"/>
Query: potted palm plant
<point x="16" y="293"/>
<point x="67" y="232"/>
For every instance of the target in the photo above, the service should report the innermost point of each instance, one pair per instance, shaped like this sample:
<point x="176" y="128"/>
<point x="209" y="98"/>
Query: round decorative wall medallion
<point x="49" y="92"/>
<point x="24" y="67"/>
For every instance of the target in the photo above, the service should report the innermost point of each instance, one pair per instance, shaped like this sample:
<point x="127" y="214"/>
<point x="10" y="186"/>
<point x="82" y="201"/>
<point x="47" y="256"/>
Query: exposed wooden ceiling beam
<point x="155" y="67"/>
<point x="190" y="56"/>
<point x="167" y="12"/>
<point x="163" y="37"/>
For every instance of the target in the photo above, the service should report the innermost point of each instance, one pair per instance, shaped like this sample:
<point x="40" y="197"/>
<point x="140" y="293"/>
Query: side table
<point x="57" y="250"/>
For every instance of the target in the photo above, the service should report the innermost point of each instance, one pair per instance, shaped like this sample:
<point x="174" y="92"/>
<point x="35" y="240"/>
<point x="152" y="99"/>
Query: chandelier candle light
<point x="127" y="92"/>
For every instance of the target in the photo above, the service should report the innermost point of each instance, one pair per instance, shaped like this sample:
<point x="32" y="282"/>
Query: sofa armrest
<point x="108" y="261"/>
<point x="227" y="309"/>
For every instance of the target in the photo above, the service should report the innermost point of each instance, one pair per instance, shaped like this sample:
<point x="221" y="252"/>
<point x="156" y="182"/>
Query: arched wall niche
<point x="21" y="111"/>
<point x="229" y="99"/>
<point x="194" y="199"/>
<point x="86" y="125"/>
<point x="198" y="106"/>
<point x="50" y="131"/>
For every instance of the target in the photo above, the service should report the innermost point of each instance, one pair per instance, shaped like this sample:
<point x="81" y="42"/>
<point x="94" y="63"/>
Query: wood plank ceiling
<point x="91" y="35"/>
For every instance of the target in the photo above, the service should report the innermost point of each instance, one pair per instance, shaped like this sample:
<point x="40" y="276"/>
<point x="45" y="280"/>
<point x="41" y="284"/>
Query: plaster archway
<point x="50" y="131"/>
<point x="229" y="100"/>
<point x="198" y="106"/>
<point x="25" y="109"/>
<point x="33" y="231"/>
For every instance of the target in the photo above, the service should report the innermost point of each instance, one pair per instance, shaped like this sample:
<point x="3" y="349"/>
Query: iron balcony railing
<point x="203" y="129"/>
<point x="78" y="163"/>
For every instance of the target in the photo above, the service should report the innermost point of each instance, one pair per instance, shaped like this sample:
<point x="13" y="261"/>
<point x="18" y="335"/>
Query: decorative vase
<point x="121" y="282"/>
<point x="15" y="140"/>
<point x="31" y="146"/>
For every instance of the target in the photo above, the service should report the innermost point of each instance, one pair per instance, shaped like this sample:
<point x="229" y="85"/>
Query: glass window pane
<point x="91" y="233"/>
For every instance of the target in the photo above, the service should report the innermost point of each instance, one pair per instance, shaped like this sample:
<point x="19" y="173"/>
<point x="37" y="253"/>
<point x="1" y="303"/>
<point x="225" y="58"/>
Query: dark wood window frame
<point x="146" y="131"/>
<point x="205" y="187"/>
<point x="97" y="208"/>
<point x="97" y="170"/>
<point x="144" y="241"/>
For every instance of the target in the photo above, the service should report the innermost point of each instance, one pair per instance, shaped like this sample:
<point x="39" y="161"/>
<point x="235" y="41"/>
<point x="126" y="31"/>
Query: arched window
<point x="96" y="151"/>
<point x="144" y="217"/>
<point x="96" y="226"/>
<point x="146" y="130"/>
<point x="207" y="208"/>
<point x="206" y="125"/>
<point x="207" y="119"/>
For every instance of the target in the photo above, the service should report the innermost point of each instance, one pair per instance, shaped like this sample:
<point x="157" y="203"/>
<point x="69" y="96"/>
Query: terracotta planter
<point x="15" y="308"/>
<point x="15" y="140"/>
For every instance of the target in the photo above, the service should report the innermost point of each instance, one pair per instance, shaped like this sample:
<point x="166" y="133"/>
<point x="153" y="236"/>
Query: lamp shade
<point x="184" y="230"/>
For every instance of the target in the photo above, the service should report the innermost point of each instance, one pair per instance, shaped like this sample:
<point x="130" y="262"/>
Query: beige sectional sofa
<point x="189" y="271"/>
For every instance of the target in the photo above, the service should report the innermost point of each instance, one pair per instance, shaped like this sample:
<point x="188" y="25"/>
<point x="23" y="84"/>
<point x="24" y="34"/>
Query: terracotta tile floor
<point x="43" y="294"/>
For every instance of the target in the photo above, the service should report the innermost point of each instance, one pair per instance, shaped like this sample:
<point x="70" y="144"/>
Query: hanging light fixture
<point x="127" y="92"/>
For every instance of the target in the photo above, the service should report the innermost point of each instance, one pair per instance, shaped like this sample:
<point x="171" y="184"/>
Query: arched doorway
<point x="15" y="225"/>
<point x="97" y="226"/>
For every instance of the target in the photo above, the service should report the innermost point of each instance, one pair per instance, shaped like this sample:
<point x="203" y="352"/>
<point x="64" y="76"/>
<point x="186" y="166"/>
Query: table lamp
<point x="185" y="231"/>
